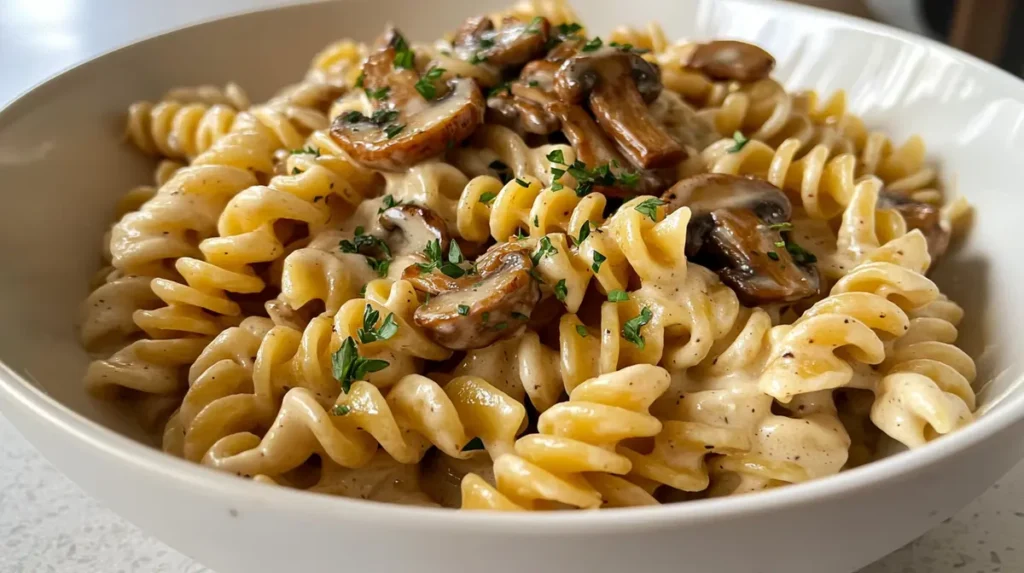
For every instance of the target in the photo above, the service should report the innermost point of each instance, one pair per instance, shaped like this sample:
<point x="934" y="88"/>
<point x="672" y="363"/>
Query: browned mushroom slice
<point x="731" y="60"/>
<point x="405" y="128"/>
<point x="520" y="114"/>
<point x="737" y="230"/>
<point x="514" y="44"/>
<point x="410" y="227"/>
<point x="618" y="86"/>
<point x="485" y="307"/>
<point x="921" y="216"/>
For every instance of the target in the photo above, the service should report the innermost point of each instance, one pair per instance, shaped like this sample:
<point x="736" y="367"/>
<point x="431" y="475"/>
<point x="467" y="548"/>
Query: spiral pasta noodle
<point x="572" y="460"/>
<point x="399" y="423"/>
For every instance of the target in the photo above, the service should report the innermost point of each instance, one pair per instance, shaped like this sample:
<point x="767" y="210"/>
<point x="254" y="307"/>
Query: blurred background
<point x="979" y="27"/>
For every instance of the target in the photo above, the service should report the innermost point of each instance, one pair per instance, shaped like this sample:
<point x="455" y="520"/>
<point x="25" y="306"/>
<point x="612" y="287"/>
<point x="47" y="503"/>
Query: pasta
<point x="523" y="269"/>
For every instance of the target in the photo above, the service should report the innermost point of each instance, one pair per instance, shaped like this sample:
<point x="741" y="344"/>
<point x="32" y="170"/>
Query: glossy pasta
<point x="469" y="274"/>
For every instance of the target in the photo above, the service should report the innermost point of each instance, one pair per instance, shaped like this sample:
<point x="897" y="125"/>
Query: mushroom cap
<point x="514" y="44"/>
<point x="410" y="227"/>
<point x="731" y="233"/>
<point x="731" y="60"/>
<point x="486" y="307"/>
<point x="923" y="216"/>
<point x="425" y="134"/>
<point x="710" y="192"/>
<point x="580" y="74"/>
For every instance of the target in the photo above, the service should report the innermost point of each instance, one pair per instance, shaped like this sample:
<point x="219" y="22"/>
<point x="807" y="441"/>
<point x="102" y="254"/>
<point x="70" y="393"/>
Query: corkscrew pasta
<point x="525" y="268"/>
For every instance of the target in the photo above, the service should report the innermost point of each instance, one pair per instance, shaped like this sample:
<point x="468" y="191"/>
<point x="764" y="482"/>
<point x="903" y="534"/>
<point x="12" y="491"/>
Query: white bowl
<point x="62" y="165"/>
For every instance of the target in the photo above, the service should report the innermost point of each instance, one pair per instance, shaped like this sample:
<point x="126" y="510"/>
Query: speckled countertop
<point x="48" y="524"/>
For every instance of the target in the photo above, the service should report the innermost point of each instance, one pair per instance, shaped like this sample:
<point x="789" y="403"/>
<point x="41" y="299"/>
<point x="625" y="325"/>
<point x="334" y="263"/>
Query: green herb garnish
<point x="308" y="150"/>
<point x="386" y="203"/>
<point x="618" y="296"/>
<point x="581" y="330"/>
<point x="546" y="249"/>
<point x="487" y="196"/>
<point x="592" y="45"/>
<point x="598" y="260"/>
<point x="393" y="130"/>
<point x="340" y="410"/>
<point x="584" y="233"/>
<point x="740" y="142"/>
<point x="378" y="94"/>
<point x="561" y="291"/>
<point x="348" y="366"/>
<point x="649" y="207"/>
<point x="463" y="310"/>
<point x="426" y="86"/>
<point x="404" y="57"/>
<point x="370" y="332"/>
<point x="773" y="255"/>
<point x="435" y="259"/>
<point x="631" y="329"/>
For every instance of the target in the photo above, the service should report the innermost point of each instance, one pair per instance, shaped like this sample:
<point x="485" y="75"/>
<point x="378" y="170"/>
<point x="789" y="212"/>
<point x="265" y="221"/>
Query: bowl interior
<point x="63" y="162"/>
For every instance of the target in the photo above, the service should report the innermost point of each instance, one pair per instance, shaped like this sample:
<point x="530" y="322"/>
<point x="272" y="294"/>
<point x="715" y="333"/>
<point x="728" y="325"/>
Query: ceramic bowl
<point x="63" y="164"/>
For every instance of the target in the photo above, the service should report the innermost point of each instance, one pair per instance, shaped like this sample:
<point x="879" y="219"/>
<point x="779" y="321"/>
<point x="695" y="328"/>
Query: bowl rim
<point x="17" y="392"/>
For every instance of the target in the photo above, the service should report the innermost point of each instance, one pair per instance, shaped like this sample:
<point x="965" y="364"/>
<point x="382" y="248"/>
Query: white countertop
<point x="48" y="524"/>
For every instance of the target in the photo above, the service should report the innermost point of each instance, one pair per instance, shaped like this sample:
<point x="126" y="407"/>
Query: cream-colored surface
<point x="262" y="401"/>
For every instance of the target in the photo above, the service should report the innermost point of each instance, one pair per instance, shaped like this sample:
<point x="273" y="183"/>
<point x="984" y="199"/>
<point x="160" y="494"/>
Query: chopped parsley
<point x="740" y="142"/>
<point x="522" y="183"/>
<point x="308" y="150"/>
<point x="536" y="221"/>
<point x="593" y="45"/>
<point x="435" y="259"/>
<point x="584" y="233"/>
<point x="598" y="259"/>
<point x="361" y="243"/>
<point x="501" y="326"/>
<point x="534" y="27"/>
<point x="561" y="291"/>
<point x="631" y="329"/>
<point x="477" y="58"/>
<point x="563" y="32"/>
<point x="581" y="330"/>
<point x="502" y="87"/>
<point x="546" y="249"/>
<point x="587" y="178"/>
<point x="393" y="130"/>
<point x="649" y="207"/>
<point x="360" y="79"/>
<point x="296" y="171"/>
<point x="463" y="310"/>
<point x="487" y="197"/>
<point x="800" y="255"/>
<point x="404" y="57"/>
<point x="628" y="48"/>
<point x="520" y="235"/>
<point x="533" y="83"/>
<point x="618" y="296"/>
<point x="348" y="366"/>
<point x="379" y="93"/>
<point x="386" y="203"/>
<point x="370" y="332"/>
<point x="340" y="410"/>
<point x="426" y="86"/>
<point x="785" y="226"/>
<point x="773" y="255"/>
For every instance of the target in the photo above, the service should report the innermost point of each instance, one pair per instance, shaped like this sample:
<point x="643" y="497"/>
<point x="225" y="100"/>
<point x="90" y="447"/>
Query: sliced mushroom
<point x="520" y="114"/>
<point x="405" y="128"/>
<point x="735" y="230"/>
<point x="731" y="60"/>
<point x="488" y="306"/>
<point x="513" y="45"/>
<point x="618" y="86"/>
<point x="410" y="227"/>
<point x="921" y="216"/>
